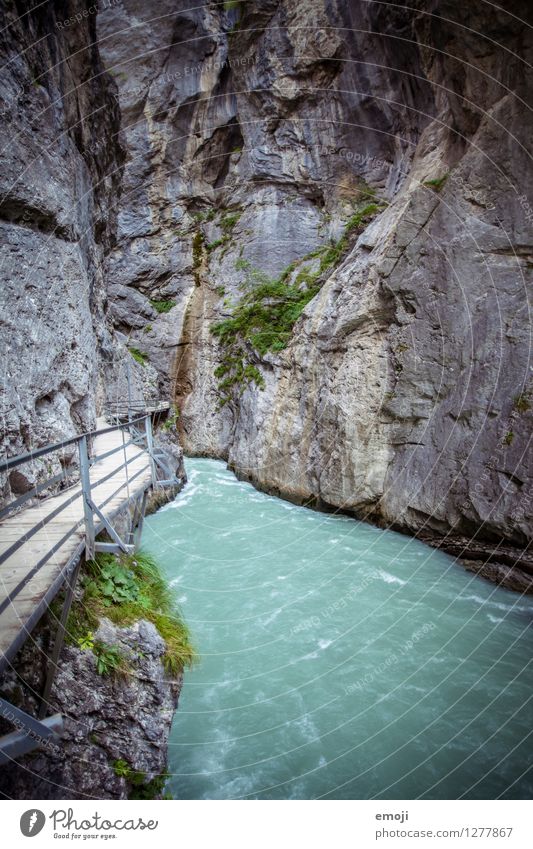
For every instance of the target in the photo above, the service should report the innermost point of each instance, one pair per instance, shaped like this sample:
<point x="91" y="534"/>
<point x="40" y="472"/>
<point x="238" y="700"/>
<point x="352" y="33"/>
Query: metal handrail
<point x="146" y="402"/>
<point x="123" y="465"/>
<point x="91" y="518"/>
<point x="116" y="492"/>
<point x="24" y="537"/>
<point x="131" y="404"/>
<point x="97" y="458"/>
<point x="33" y="493"/>
<point x="13" y="462"/>
<point x="85" y="491"/>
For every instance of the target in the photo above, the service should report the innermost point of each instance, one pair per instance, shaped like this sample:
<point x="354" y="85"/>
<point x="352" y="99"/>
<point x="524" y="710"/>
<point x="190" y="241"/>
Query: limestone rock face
<point x="59" y="184"/>
<point x="187" y="155"/>
<point x="106" y="720"/>
<point x="252" y="134"/>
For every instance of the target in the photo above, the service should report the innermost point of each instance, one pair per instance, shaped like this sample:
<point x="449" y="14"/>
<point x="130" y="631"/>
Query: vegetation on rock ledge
<point x="126" y="589"/>
<point x="163" y="306"/>
<point x="263" y="319"/>
<point x="139" y="785"/>
<point x="139" y="356"/>
<point x="436" y="184"/>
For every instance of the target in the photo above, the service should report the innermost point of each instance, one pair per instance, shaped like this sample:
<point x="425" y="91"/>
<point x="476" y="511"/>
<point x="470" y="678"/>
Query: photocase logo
<point x="32" y="822"/>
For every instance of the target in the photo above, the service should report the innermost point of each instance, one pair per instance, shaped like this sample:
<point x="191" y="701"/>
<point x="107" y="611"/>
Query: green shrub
<point x="228" y="222"/>
<point x="126" y="589"/>
<point x="201" y="217"/>
<point x="522" y="402"/>
<point x="264" y="317"/>
<point x="436" y="184"/>
<point x="171" y="421"/>
<point x="197" y="250"/>
<point x="110" y="662"/>
<point x="216" y="244"/>
<point x="508" y="439"/>
<point x="115" y="582"/>
<point x="262" y="320"/>
<point x="330" y="255"/>
<point x="163" y="306"/>
<point x="139" y="787"/>
<point x="139" y="356"/>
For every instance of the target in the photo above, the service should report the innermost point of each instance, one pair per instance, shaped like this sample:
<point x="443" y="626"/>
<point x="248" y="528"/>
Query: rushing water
<point x="337" y="660"/>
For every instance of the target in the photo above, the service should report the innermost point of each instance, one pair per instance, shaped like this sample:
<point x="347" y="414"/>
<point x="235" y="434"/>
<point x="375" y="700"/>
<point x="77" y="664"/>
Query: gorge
<point x="337" y="661"/>
<point x="307" y="224"/>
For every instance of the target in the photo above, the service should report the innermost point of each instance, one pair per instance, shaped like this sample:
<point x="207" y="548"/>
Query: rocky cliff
<point x="310" y="224"/>
<point x="115" y="739"/>
<point x="374" y="161"/>
<point x="59" y="183"/>
<point x="63" y="357"/>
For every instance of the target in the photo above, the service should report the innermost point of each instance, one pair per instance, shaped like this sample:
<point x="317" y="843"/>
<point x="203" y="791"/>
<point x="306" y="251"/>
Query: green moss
<point x="508" y="439"/>
<point x="228" y="222"/>
<point x="197" y="251"/>
<point x="201" y="217"/>
<point x="171" y="421"/>
<point x="216" y="244"/>
<point x="522" y="402"/>
<point x="197" y="245"/>
<point x="126" y="589"/>
<point x="163" y="306"/>
<point x="147" y="328"/>
<point x="263" y="319"/>
<point x="139" y="786"/>
<point x="139" y="356"/>
<point x="436" y="184"/>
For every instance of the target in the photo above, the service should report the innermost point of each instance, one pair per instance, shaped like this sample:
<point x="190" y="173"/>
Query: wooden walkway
<point x="33" y="572"/>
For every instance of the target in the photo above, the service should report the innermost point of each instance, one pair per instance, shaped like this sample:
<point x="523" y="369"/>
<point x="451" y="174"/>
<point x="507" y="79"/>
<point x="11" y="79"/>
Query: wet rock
<point x="106" y="719"/>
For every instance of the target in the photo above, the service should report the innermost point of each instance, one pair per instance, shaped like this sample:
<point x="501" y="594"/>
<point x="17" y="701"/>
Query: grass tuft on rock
<point x="436" y="184"/>
<point x="139" y="785"/>
<point x="126" y="589"/>
<point x="263" y="319"/>
<point x="139" y="356"/>
<point x="522" y="402"/>
<point x="163" y="306"/>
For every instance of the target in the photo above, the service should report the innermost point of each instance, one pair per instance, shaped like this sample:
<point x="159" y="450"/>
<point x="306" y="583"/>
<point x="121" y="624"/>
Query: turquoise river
<point x="337" y="660"/>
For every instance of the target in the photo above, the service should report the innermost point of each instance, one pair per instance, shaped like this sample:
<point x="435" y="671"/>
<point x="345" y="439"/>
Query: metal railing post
<point x="86" y="495"/>
<point x="150" y="447"/>
<point x="128" y="377"/>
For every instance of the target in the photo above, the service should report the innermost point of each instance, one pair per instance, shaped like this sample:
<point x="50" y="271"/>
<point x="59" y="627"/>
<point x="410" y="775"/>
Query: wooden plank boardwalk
<point x="31" y="576"/>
